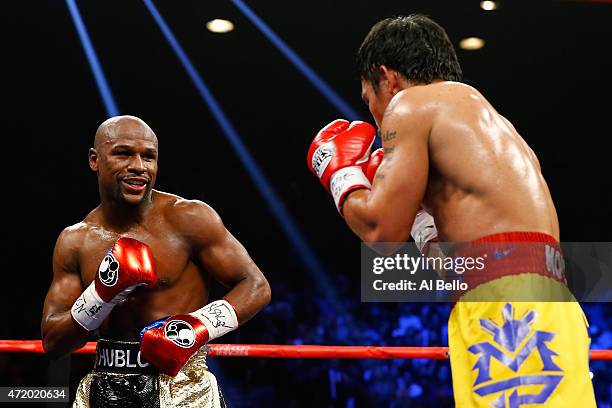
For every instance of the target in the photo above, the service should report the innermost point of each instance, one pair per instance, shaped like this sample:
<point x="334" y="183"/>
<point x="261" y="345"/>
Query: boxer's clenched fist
<point x="337" y="155"/>
<point x="128" y="264"/>
<point x="168" y="343"/>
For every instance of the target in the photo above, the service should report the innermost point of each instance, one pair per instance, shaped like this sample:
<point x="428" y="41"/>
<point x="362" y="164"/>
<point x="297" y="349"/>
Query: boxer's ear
<point x="389" y="80"/>
<point x="93" y="159"/>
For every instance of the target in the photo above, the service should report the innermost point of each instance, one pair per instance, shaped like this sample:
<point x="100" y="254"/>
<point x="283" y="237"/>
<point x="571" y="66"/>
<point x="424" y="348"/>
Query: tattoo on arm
<point x="388" y="157"/>
<point x="389" y="135"/>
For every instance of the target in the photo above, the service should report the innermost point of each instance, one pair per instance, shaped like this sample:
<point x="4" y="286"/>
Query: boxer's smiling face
<point x="126" y="163"/>
<point x="132" y="166"/>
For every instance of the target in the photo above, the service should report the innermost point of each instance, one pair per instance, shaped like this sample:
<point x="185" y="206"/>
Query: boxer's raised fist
<point x="128" y="264"/>
<point x="336" y="156"/>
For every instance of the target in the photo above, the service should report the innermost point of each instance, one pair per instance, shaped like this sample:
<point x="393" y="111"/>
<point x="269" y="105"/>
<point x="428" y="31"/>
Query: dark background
<point x="546" y="67"/>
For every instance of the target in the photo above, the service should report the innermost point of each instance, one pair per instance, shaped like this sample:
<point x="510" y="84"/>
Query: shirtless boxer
<point x="136" y="272"/>
<point x="449" y="153"/>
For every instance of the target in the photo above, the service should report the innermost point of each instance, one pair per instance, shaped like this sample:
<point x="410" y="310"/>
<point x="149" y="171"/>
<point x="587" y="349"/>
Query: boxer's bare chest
<point x="171" y="252"/>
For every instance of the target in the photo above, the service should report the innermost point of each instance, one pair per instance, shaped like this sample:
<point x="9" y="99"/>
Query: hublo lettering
<point x="119" y="359"/>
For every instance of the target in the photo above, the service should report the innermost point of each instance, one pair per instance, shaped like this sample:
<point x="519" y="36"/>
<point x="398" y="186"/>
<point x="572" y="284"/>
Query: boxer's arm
<point x="387" y="211"/>
<point x="60" y="333"/>
<point x="224" y="258"/>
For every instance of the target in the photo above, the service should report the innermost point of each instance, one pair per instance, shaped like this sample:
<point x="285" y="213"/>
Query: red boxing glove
<point x="169" y="343"/>
<point x="337" y="154"/>
<point x="128" y="264"/>
<point x="373" y="164"/>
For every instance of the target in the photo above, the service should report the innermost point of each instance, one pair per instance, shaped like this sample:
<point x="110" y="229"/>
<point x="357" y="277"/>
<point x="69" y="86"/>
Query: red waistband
<point x="517" y="236"/>
<point x="513" y="253"/>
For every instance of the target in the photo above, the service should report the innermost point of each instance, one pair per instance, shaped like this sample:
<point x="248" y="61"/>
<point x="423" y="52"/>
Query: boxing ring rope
<point x="288" y="351"/>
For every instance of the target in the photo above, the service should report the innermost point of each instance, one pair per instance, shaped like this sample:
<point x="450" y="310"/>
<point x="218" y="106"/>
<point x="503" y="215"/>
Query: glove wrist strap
<point x="219" y="317"/>
<point x="346" y="180"/>
<point x="89" y="310"/>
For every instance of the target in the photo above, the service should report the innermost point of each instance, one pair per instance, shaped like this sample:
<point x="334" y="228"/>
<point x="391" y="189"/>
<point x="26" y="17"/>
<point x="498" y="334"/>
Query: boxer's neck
<point x="122" y="215"/>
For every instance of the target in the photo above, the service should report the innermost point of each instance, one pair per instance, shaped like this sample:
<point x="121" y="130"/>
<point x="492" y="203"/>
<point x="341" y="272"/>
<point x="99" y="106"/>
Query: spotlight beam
<point x="92" y="58"/>
<point x="272" y="200"/>
<point x="342" y="106"/>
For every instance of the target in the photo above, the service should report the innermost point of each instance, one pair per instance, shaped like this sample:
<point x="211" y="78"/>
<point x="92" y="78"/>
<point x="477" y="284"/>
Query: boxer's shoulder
<point x="454" y="96"/>
<point x="443" y="93"/>
<point x="411" y="111"/>
<point x="421" y="101"/>
<point x="73" y="234"/>
<point x="178" y="209"/>
<point x="192" y="218"/>
<point x="68" y="245"/>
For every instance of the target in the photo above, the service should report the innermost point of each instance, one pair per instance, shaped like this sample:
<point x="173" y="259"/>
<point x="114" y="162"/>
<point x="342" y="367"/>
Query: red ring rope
<point x="287" y="351"/>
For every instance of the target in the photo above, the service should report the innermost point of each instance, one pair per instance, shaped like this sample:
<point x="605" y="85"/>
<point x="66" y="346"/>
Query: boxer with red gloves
<point x="447" y="149"/>
<point x="139" y="256"/>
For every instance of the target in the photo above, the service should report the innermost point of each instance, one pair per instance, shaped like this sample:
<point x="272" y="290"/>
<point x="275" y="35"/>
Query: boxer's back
<point x="181" y="286"/>
<point x="483" y="177"/>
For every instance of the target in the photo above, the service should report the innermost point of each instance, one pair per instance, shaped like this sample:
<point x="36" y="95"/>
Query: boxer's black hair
<point x="415" y="46"/>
